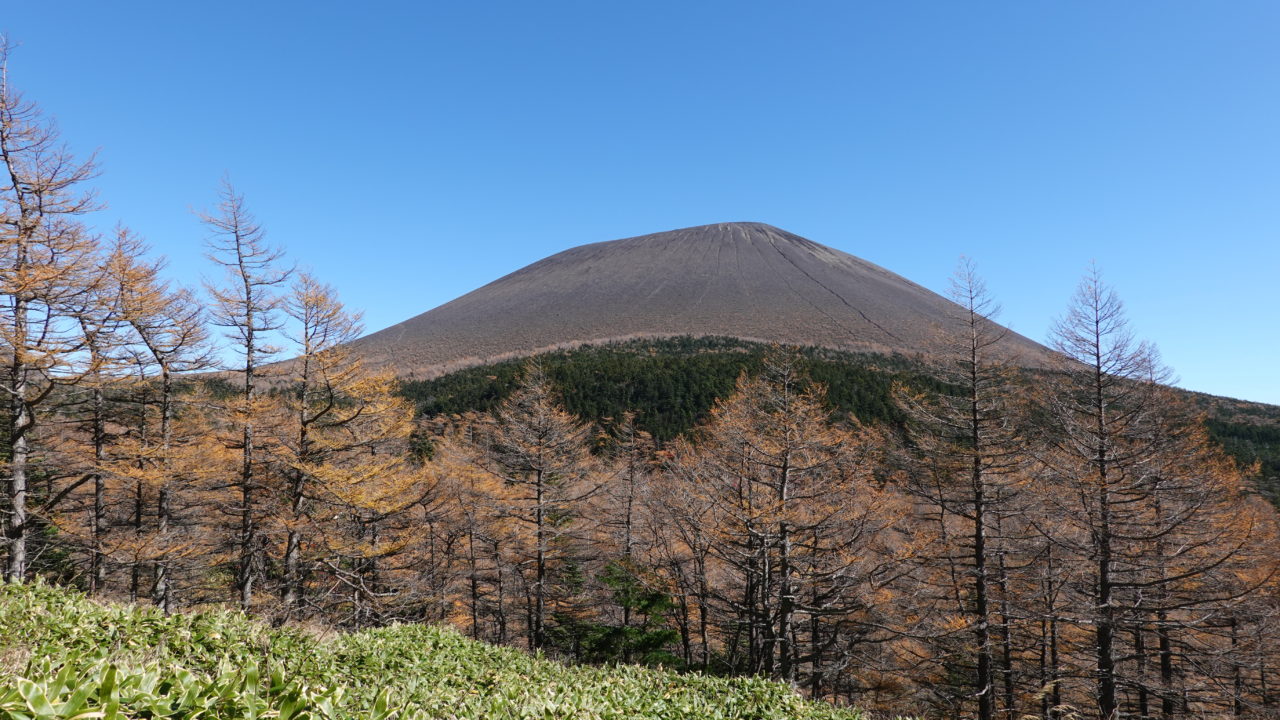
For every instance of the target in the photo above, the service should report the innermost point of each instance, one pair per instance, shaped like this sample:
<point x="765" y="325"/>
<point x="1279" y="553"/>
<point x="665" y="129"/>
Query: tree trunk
<point x="162" y="591"/>
<point x="1140" y="653"/>
<point x="97" y="528"/>
<point x="1168" y="697"/>
<point x="1006" y="641"/>
<point x="985" y="684"/>
<point x="786" y="598"/>
<point x="20" y="422"/>
<point x="1104" y="637"/>
<point x="98" y="568"/>
<point x="538" y="619"/>
<point x="16" y="569"/>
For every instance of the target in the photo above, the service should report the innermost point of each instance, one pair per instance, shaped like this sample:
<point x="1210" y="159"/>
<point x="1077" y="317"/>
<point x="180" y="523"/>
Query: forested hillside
<point x="1249" y="432"/>
<point x="670" y="385"/>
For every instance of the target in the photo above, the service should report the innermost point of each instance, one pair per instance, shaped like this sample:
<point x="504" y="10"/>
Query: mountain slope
<point x="744" y="280"/>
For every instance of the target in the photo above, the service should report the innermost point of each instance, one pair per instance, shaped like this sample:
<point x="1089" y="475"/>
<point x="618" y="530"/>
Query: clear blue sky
<point x="409" y="152"/>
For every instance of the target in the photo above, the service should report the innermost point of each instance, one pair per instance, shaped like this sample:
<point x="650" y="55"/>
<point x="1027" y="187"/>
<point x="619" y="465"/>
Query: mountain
<point x="743" y="280"/>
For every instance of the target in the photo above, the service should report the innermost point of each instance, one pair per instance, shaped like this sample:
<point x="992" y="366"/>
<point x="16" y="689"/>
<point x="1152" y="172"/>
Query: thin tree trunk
<point x="1104" y="636"/>
<point x="248" y="528"/>
<point x="135" y="573"/>
<point x="682" y="623"/>
<point x="1006" y="641"/>
<point x="1168" y="698"/>
<point x="815" y="631"/>
<point x="501" y="607"/>
<point x="97" y="567"/>
<point x="786" y="598"/>
<point x="1140" y="653"/>
<point x="297" y="494"/>
<point x="473" y="579"/>
<point x="704" y="619"/>
<point x="20" y="422"/>
<point x="982" y="628"/>
<point x="536" y="637"/>
<point x="162" y="591"/>
<point x="97" y="572"/>
<point x="1237" y="677"/>
<point x="16" y="569"/>
<point x="292" y="599"/>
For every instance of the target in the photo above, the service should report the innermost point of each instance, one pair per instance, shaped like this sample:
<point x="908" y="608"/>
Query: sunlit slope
<point x="62" y="656"/>
<point x="742" y="280"/>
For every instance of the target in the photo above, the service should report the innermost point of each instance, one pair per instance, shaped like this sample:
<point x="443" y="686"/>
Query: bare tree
<point x="246" y="304"/>
<point x="541" y="453"/>
<point x="48" y="277"/>
<point x="795" y="527"/>
<point x="1154" y="523"/>
<point x="969" y="449"/>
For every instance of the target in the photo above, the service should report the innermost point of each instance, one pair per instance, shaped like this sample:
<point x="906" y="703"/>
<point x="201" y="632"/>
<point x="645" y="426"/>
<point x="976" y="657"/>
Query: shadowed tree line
<point x="671" y="384"/>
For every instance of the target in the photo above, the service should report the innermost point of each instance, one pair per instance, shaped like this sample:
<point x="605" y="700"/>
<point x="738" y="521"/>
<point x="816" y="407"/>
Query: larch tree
<point x="541" y="453"/>
<point x="343" y="440"/>
<point x="168" y="328"/>
<point x="969" y="450"/>
<point x="49" y="278"/>
<point x="620" y="505"/>
<point x="1200" y="565"/>
<point x="633" y="602"/>
<point x="247" y="305"/>
<point x="1153" y="524"/>
<point x="366" y="551"/>
<point x="322" y="371"/>
<point x="472" y="497"/>
<point x="678" y="526"/>
<point x="108" y="355"/>
<point x="631" y="452"/>
<point x="798" y="526"/>
<point x="1102" y="433"/>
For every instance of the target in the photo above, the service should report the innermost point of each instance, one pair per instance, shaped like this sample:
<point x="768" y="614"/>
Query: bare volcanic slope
<point x="744" y="280"/>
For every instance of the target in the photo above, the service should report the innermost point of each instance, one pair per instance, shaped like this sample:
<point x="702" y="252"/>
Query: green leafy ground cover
<point x="63" y="656"/>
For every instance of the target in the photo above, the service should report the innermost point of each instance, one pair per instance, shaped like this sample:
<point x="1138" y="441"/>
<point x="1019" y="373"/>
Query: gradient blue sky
<point x="408" y="152"/>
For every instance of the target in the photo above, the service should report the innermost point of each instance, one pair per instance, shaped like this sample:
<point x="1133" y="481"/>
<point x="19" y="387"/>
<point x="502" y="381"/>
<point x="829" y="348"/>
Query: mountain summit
<point x="746" y="280"/>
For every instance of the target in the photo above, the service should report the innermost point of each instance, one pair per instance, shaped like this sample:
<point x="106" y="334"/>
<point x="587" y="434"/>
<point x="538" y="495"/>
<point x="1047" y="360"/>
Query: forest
<point x="670" y="384"/>
<point x="957" y="540"/>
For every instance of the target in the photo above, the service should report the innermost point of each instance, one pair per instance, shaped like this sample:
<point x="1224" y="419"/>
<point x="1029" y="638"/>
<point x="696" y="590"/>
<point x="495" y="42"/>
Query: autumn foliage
<point x="1058" y="545"/>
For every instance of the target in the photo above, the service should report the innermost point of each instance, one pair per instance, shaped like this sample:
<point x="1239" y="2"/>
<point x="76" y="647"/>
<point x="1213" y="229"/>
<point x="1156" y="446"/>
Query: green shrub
<point x="88" y="660"/>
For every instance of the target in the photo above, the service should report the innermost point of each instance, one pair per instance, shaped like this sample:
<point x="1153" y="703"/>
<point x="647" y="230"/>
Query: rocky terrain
<point x="744" y="280"/>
